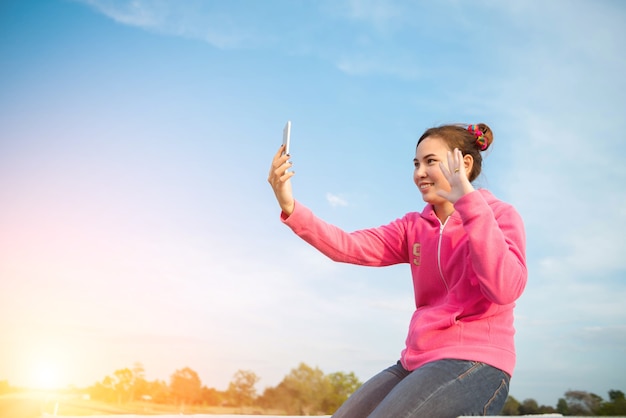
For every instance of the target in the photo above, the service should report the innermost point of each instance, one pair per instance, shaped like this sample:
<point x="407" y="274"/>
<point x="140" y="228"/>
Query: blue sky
<point x="137" y="222"/>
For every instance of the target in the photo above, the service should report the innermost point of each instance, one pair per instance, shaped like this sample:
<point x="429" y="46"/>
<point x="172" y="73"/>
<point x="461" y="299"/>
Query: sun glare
<point x="45" y="372"/>
<point x="47" y="376"/>
<point x="44" y="362"/>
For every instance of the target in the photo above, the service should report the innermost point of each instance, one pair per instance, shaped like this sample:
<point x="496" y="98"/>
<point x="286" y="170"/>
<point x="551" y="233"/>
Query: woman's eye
<point x="431" y="161"/>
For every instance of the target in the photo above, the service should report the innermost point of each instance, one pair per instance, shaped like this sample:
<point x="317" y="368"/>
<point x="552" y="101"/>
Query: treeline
<point x="308" y="391"/>
<point x="575" y="403"/>
<point x="304" y="391"/>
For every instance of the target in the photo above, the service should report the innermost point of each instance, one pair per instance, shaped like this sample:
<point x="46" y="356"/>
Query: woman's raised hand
<point x="456" y="171"/>
<point x="279" y="179"/>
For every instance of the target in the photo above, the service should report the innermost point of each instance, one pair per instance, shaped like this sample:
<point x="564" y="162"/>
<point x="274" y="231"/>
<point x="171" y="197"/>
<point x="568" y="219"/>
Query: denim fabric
<point x="444" y="388"/>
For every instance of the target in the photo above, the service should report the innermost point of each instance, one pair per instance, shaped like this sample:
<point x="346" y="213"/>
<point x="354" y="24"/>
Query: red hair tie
<point x="481" y="141"/>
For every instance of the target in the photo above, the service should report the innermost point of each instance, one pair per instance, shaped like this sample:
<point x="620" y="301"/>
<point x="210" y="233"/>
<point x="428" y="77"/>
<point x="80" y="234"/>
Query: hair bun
<point x="483" y="135"/>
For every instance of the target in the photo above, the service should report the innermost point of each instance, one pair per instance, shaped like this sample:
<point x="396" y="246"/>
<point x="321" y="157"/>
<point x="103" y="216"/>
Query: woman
<point x="466" y="250"/>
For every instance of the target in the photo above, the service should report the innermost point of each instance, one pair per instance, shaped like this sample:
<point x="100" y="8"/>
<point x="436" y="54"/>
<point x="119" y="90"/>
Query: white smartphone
<point x="286" y="137"/>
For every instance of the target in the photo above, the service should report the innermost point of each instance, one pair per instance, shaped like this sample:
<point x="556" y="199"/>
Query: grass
<point x="81" y="407"/>
<point x="35" y="404"/>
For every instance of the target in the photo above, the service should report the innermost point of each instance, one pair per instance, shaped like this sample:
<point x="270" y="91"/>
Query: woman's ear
<point x="468" y="163"/>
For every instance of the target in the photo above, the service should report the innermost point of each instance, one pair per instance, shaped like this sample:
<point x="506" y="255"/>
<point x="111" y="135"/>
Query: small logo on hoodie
<point x="417" y="255"/>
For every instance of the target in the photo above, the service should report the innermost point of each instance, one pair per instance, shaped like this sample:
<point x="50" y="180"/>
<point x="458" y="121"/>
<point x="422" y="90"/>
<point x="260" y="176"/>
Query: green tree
<point x="546" y="409"/>
<point x="511" y="407"/>
<point x="562" y="407"/>
<point x="308" y="391"/>
<point x="210" y="396"/>
<point x="616" y="406"/>
<point x="271" y="398"/>
<point x="302" y="391"/>
<point x="123" y="382"/>
<point x="342" y="386"/>
<point x="158" y="391"/>
<point x="241" y="390"/>
<point x="185" y="386"/>
<point x="616" y="395"/>
<point x="104" y="390"/>
<point x="582" y="403"/>
<point x="139" y="384"/>
<point x="529" y="407"/>
<point x="123" y="386"/>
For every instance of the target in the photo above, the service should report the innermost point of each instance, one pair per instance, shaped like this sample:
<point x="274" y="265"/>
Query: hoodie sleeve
<point x="377" y="247"/>
<point x="497" y="246"/>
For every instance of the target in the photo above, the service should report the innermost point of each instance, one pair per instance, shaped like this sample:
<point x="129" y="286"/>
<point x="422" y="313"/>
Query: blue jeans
<point x="444" y="388"/>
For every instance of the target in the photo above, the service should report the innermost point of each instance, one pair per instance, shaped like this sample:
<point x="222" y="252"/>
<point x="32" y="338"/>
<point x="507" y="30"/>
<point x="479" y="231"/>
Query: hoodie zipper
<point x="441" y="226"/>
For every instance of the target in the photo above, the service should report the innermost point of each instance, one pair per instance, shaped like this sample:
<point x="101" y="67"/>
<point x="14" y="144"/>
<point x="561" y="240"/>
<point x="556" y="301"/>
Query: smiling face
<point x="428" y="176"/>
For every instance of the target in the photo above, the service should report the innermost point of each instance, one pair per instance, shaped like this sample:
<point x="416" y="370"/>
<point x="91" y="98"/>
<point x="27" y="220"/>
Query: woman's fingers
<point x="454" y="172"/>
<point x="280" y="164"/>
<point x="279" y="180"/>
<point x="451" y="167"/>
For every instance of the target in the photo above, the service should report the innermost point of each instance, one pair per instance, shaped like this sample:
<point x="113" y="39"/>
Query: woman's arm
<point x="382" y="246"/>
<point x="497" y="246"/>
<point x="372" y="247"/>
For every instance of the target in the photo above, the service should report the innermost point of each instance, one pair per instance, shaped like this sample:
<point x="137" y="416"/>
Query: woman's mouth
<point x="425" y="186"/>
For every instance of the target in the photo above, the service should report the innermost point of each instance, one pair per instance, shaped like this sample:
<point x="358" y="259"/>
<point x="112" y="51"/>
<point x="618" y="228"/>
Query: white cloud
<point x="336" y="200"/>
<point x="133" y="13"/>
<point x="364" y="64"/>
<point x="379" y="13"/>
<point x="190" y="19"/>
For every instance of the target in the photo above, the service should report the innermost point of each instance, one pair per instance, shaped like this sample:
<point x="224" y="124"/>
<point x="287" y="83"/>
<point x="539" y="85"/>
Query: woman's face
<point x="427" y="175"/>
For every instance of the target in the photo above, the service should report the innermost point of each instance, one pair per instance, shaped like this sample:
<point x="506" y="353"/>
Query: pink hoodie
<point x="467" y="274"/>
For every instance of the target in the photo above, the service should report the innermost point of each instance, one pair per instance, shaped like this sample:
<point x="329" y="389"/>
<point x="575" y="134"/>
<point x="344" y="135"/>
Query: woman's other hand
<point x="280" y="180"/>
<point x="456" y="172"/>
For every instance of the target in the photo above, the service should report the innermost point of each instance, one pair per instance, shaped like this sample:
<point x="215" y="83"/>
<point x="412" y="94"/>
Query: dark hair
<point x="458" y="136"/>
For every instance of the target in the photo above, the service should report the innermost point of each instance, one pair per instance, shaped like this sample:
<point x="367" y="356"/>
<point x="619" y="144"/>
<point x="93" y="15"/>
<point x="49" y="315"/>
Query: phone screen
<point x="286" y="137"/>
